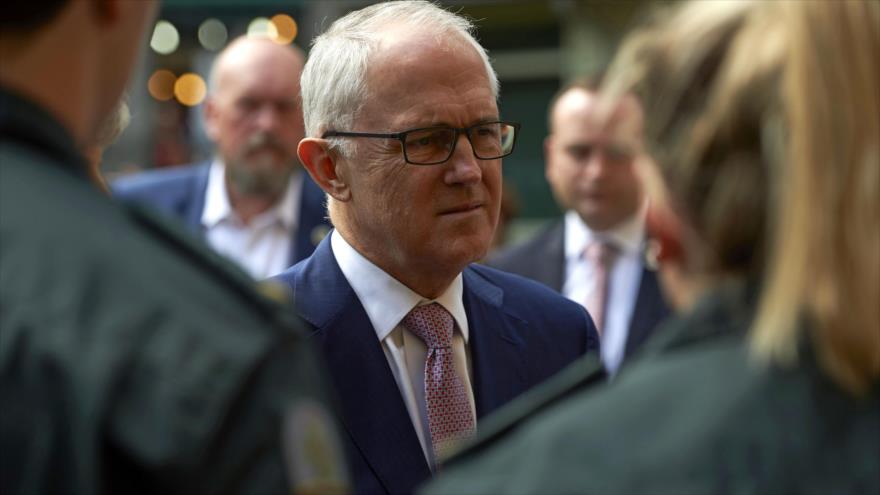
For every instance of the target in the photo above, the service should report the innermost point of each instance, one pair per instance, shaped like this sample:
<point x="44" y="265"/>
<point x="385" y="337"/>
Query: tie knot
<point x="601" y="252"/>
<point x="431" y="323"/>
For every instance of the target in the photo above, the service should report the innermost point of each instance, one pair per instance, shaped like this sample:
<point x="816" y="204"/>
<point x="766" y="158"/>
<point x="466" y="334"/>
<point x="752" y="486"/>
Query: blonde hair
<point x="709" y="93"/>
<point x="763" y="120"/>
<point x="113" y="125"/>
<point x="826" y="266"/>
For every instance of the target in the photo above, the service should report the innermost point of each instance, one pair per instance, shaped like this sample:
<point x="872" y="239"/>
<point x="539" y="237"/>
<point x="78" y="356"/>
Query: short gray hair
<point x="334" y="86"/>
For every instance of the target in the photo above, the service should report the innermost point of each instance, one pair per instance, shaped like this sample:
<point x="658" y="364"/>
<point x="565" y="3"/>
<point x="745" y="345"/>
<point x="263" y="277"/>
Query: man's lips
<point x="462" y="208"/>
<point x="594" y="195"/>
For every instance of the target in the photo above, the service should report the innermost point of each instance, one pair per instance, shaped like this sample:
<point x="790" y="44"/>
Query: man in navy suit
<point x="591" y="169"/>
<point x="252" y="202"/>
<point x="406" y="139"/>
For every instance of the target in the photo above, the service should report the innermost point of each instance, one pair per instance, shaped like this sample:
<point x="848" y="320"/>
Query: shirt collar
<point x="384" y="298"/>
<point x="628" y="235"/>
<point x="218" y="209"/>
<point x="29" y="123"/>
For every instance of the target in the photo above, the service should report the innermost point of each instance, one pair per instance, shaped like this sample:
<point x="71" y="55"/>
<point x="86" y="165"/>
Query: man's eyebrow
<point x="439" y="123"/>
<point x="494" y="118"/>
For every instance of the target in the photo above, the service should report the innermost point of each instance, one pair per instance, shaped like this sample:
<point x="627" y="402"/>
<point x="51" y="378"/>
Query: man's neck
<point x="58" y="84"/>
<point x="429" y="280"/>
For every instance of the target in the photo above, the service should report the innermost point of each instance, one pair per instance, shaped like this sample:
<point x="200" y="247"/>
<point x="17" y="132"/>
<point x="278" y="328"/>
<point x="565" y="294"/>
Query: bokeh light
<point x="213" y="34"/>
<point x="161" y="85"/>
<point x="190" y="89"/>
<point x="285" y="29"/>
<point x="260" y="27"/>
<point x="165" y="38"/>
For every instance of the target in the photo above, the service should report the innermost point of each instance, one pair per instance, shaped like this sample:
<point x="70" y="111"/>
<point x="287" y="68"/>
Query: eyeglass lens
<point x="435" y="144"/>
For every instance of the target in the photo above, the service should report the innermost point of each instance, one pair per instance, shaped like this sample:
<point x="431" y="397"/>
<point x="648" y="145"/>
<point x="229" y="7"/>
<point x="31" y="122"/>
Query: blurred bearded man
<point x="252" y="202"/>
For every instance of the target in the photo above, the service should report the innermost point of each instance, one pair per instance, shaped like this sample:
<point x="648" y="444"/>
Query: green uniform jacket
<point x="694" y="414"/>
<point x="132" y="359"/>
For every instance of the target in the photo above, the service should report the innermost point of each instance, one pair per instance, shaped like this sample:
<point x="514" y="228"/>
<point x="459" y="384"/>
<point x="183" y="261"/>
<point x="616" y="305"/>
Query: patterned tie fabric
<point x="449" y="411"/>
<point x="601" y="254"/>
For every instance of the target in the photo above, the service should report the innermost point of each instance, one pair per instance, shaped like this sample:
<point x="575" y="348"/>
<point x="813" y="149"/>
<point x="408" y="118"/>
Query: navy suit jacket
<point x="520" y="334"/>
<point x="180" y="193"/>
<point x="542" y="258"/>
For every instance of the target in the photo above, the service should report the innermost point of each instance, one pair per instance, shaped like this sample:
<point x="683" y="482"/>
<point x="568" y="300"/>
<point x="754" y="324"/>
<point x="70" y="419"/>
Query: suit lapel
<point x="650" y="310"/>
<point x="497" y="359"/>
<point x="373" y="411"/>
<point x="312" y="227"/>
<point x="192" y="214"/>
<point x="555" y="255"/>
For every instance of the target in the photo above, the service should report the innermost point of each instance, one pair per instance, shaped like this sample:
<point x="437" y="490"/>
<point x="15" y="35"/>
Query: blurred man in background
<point x="594" y="254"/>
<point x="132" y="359"/>
<point x="252" y="203"/>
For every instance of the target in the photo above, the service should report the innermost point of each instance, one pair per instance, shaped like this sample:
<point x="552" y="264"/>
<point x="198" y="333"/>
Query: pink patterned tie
<point x="449" y="411"/>
<point x="601" y="254"/>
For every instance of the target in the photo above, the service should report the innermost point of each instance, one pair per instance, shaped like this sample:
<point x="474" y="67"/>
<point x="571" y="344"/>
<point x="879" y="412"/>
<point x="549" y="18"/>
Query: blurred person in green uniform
<point x="132" y="360"/>
<point x="763" y="121"/>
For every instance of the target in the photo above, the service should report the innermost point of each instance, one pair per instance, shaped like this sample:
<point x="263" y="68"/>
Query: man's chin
<point x="468" y="249"/>
<point x="260" y="183"/>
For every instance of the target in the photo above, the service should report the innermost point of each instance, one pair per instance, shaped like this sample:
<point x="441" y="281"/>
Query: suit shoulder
<point x="164" y="182"/>
<point x="519" y="257"/>
<point x="288" y="277"/>
<point x="522" y="293"/>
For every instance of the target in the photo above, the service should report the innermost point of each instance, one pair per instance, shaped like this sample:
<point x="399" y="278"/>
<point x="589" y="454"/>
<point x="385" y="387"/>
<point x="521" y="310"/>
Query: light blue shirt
<point x="624" y="279"/>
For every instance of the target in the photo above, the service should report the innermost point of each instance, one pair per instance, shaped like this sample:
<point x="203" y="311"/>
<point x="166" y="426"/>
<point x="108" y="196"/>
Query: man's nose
<point x="595" y="165"/>
<point x="464" y="167"/>
<point x="267" y="118"/>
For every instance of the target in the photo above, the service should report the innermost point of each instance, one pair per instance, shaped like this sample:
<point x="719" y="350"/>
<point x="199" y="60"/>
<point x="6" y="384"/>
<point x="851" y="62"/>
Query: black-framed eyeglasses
<point x="435" y="145"/>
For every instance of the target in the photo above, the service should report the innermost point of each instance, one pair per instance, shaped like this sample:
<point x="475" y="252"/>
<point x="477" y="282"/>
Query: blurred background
<point x="535" y="46"/>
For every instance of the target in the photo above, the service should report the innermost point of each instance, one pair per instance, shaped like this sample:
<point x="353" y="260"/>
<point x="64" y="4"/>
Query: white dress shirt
<point x="623" y="283"/>
<point x="387" y="302"/>
<point x="263" y="246"/>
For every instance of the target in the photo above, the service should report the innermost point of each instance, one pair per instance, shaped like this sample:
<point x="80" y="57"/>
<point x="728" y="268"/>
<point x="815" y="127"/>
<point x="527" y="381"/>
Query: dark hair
<point x="28" y="15"/>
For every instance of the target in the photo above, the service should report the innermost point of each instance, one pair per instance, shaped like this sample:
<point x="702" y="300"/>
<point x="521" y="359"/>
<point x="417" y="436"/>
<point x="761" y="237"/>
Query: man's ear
<point x="665" y="232"/>
<point x="316" y="157"/>
<point x="209" y="114"/>
<point x="548" y="156"/>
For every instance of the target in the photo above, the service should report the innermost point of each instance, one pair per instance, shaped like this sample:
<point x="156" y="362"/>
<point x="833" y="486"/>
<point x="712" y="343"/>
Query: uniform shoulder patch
<point x="313" y="452"/>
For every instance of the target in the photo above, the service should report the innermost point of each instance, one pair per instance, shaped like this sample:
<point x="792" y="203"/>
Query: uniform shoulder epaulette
<point x="269" y="296"/>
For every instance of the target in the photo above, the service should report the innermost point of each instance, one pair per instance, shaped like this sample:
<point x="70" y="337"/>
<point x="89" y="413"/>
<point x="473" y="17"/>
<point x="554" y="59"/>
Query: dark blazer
<point x="132" y="358"/>
<point x="542" y="258"/>
<point x="759" y="428"/>
<point x="521" y="333"/>
<point x="180" y="192"/>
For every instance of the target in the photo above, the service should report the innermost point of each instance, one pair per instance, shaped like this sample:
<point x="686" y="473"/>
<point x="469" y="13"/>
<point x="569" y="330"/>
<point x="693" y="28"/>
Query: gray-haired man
<point x="405" y="137"/>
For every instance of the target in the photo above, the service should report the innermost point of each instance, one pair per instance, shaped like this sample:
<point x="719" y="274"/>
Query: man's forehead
<point x="418" y="79"/>
<point x="588" y="111"/>
<point x="403" y="46"/>
<point x="272" y="83"/>
<point x="255" y="51"/>
<point x="250" y="61"/>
